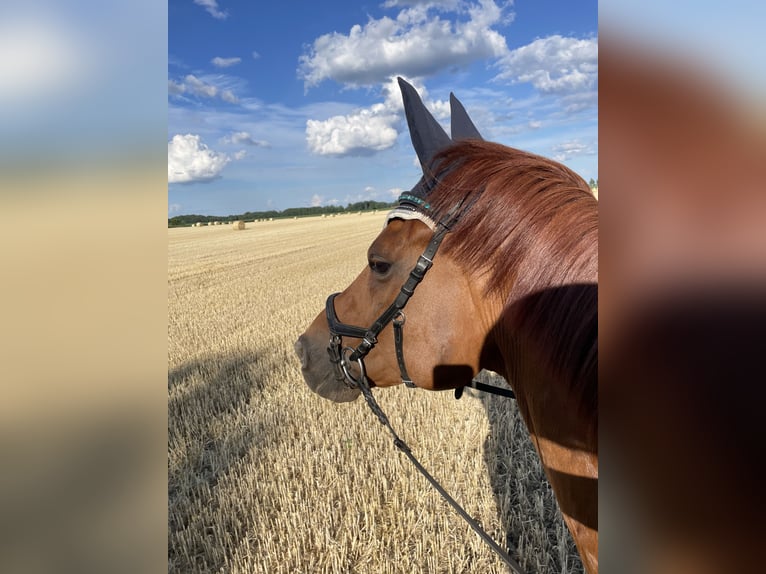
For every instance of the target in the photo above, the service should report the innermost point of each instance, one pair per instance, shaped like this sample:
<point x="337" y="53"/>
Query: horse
<point x="491" y="262"/>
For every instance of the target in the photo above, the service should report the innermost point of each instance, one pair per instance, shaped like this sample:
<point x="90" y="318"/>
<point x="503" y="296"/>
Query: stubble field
<point x="265" y="476"/>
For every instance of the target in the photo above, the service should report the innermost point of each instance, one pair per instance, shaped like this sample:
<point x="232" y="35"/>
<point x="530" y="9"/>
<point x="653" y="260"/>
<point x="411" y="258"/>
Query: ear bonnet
<point x="428" y="139"/>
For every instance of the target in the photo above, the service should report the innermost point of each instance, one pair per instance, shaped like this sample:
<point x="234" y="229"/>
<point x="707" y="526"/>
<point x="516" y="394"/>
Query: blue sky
<point x="289" y="104"/>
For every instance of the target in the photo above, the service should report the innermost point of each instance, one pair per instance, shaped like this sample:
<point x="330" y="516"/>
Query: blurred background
<point x="83" y="194"/>
<point x="682" y="200"/>
<point x="83" y="197"/>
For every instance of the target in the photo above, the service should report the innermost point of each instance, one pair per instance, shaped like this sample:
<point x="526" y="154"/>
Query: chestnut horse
<point x="513" y="289"/>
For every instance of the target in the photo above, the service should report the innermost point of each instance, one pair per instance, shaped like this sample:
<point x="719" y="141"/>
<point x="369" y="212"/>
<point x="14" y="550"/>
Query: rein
<point x="364" y="387"/>
<point x="344" y="359"/>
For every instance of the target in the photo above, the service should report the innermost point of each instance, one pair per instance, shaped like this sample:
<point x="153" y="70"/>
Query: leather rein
<point x="346" y="358"/>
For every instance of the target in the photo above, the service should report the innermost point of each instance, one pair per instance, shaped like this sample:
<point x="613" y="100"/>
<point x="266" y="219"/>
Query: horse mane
<point x="532" y="229"/>
<point x="528" y="210"/>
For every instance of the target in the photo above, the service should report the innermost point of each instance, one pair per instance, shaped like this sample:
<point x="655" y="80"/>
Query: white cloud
<point x="566" y="150"/>
<point x="366" y="130"/>
<point x="174" y="208"/>
<point x="190" y="160"/>
<point x="200" y="87"/>
<point x="228" y="96"/>
<point x="239" y="138"/>
<point x="241" y="154"/>
<point x="255" y="55"/>
<point x="191" y="84"/>
<point x="416" y="43"/>
<point x="359" y="133"/>
<point x="554" y="64"/>
<point x="225" y="62"/>
<point x="212" y="8"/>
<point x="579" y="101"/>
<point x="316" y="200"/>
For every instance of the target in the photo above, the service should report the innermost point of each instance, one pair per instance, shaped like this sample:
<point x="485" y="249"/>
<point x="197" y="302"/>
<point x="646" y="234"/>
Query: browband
<point x="408" y="214"/>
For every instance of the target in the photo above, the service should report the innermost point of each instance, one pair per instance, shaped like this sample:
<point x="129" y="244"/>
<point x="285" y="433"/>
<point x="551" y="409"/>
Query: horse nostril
<point x="300" y="350"/>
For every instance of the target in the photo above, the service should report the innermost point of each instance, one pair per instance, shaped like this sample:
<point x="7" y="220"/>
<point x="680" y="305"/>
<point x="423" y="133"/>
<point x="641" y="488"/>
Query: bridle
<point x="344" y="358"/>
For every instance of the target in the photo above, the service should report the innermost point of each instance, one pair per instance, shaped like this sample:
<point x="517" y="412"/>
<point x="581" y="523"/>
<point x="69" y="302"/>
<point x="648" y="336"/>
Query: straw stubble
<point x="265" y="476"/>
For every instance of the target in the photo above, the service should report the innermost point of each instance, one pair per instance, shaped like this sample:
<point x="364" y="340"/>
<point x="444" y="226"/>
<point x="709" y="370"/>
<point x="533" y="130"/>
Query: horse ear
<point x="461" y="125"/>
<point x="428" y="137"/>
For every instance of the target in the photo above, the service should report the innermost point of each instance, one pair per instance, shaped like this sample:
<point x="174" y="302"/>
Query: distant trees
<point x="188" y="220"/>
<point x="593" y="183"/>
<point x="369" y="205"/>
<point x="308" y="211"/>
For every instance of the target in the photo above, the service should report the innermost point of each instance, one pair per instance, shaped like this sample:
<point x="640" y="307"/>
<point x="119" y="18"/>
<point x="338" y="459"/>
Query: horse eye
<point x="379" y="267"/>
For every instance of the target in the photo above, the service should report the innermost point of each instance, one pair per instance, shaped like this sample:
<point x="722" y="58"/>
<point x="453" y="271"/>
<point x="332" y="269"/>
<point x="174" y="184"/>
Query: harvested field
<point x="265" y="476"/>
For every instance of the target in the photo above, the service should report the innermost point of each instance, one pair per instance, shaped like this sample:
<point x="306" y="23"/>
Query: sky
<point x="294" y="104"/>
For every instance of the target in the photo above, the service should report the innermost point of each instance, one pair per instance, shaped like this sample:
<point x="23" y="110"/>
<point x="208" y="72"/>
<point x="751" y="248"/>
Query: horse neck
<point x="546" y="339"/>
<point x="546" y="333"/>
<point x="548" y="347"/>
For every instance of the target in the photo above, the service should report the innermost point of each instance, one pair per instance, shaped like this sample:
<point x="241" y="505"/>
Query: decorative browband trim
<point x="408" y="214"/>
<point x="414" y="199"/>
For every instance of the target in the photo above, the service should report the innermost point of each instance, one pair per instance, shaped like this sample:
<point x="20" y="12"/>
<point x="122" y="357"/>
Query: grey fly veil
<point x="428" y="139"/>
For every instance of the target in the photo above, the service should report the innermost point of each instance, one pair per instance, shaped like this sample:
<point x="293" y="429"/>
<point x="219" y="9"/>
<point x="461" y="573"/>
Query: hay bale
<point x="239" y="224"/>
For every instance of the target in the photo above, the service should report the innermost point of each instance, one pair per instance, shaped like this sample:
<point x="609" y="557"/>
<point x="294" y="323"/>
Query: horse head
<point x="442" y="336"/>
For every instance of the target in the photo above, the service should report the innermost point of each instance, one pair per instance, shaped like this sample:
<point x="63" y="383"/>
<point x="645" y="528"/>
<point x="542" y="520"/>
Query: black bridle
<point x="345" y="357"/>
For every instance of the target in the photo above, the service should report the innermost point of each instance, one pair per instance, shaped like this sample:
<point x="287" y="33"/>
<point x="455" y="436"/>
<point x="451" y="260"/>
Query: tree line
<point x="187" y="220"/>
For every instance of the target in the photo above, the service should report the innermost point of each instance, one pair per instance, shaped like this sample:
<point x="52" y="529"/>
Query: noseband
<point x="344" y="358"/>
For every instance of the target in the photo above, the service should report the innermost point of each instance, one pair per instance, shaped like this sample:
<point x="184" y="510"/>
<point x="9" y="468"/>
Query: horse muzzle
<point x="320" y="374"/>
